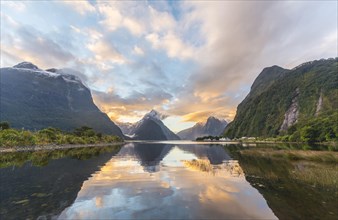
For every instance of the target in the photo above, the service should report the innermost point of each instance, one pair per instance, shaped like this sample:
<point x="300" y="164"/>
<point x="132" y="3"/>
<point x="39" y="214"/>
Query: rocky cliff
<point x="281" y="99"/>
<point x="32" y="98"/>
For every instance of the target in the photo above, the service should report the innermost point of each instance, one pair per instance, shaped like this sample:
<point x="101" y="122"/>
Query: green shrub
<point x="9" y="137"/>
<point x="84" y="131"/>
<point x="27" y="138"/>
<point x="308" y="134"/>
<point x="83" y="135"/>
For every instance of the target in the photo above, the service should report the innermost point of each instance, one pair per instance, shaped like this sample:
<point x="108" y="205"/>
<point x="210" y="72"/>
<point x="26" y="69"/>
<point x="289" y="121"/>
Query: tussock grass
<point x="294" y="155"/>
<point x="323" y="176"/>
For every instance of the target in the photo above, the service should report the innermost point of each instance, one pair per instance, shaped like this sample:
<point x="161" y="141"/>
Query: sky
<point x="186" y="59"/>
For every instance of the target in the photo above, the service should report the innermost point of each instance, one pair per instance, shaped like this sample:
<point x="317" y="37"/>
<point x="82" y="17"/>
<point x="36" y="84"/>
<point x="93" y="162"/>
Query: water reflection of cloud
<point x="123" y="189"/>
<point x="230" y="168"/>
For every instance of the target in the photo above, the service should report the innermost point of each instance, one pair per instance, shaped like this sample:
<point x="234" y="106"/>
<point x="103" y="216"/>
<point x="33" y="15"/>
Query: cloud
<point x="202" y="116"/>
<point x="77" y="30"/>
<point x="26" y="43"/>
<point x="186" y="59"/>
<point x="161" y="21"/>
<point x="136" y="104"/>
<point x="172" y="44"/>
<point x="133" y="26"/>
<point x="229" y="43"/>
<point x="240" y="39"/>
<point x="192" y="106"/>
<point x="83" y="77"/>
<point x="105" y="51"/>
<point x="137" y="50"/>
<point x="113" y="18"/>
<point x="82" y="7"/>
<point x="159" y="27"/>
<point x="16" y="5"/>
<point x="116" y="15"/>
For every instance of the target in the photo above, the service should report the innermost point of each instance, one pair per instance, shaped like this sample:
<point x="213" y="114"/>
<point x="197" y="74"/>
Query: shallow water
<point x="157" y="181"/>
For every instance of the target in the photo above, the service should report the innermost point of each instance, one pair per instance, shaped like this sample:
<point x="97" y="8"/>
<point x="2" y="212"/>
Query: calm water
<point x="164" y="180"/>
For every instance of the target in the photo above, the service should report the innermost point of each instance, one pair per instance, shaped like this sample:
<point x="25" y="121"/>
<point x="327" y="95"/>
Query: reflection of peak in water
<point x="123" y="189"/>
<point x="215" y="153"/>
<point x="149" y="155"/>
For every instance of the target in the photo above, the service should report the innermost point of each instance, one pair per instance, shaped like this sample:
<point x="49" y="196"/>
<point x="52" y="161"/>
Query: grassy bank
<point x="293" y="155"/>
<point x="10" y="138"/>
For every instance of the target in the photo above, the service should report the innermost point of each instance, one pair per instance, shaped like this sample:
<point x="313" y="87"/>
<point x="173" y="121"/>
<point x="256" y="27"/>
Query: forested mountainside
<point x="300" y="102"/>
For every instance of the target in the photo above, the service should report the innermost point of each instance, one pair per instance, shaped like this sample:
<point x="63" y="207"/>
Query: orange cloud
<point x="199" y="116"/>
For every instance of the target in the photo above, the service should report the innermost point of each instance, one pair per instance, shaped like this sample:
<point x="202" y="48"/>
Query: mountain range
<point x="302" y="101"/>
<point x="213" y="126"/>
<point x="32" y="98"/>
<point x="150" y="127"/>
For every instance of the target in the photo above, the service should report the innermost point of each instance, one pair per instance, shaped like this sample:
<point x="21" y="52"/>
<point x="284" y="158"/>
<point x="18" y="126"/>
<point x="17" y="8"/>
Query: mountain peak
<point x="213" y="126"/>
<point x="212" y="118"/>
<point x="273" y="99"/>
<point x="151" y="127"/>
<point x="155" y="115"/>
<point x="26" y="65"/>
<point x="267" y="77"/>
<point x="69" y="105"/>
<point x="153" y="112"/>
<point x="274" y="67"/>
<point x="212" y="121"/>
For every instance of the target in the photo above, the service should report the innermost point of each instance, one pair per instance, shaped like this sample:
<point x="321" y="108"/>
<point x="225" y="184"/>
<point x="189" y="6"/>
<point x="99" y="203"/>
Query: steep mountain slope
<point x="32" y="98"/>
<point x="213" y="126"/>
<point x="280" y="99"/>
<point x="151" y="127"/>
<point x="126" y="128"/>
<point x="192" y="133"/>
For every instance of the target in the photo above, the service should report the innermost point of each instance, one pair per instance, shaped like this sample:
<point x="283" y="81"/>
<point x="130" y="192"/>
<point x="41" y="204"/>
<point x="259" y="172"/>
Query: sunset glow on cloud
<point x="188" y="60"/>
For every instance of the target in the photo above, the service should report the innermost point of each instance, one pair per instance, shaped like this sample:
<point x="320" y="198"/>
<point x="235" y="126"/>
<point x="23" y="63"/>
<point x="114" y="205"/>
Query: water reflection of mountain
<point x="150" y="155"/>
<point x="29" y="191"/>
<point x="215" y="153"/>
<point x="150" y="181"/>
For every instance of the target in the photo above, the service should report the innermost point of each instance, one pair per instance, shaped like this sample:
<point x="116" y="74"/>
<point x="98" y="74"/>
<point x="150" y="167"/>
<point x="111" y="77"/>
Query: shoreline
<point x="69" y="146"/>
<point x="54" y="147"/>
<point x="272" y="142"/>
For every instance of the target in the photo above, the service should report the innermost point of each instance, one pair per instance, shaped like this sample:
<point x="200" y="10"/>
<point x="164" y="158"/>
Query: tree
<point x="330" y="135"/>
<point x="84" y="131"/>
<point x="4" y="125"/>
<point x="308" y="134"/>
